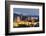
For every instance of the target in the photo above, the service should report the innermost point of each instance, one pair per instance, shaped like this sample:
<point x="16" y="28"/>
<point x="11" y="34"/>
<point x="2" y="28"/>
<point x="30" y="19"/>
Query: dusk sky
<point x="26" y="11"/>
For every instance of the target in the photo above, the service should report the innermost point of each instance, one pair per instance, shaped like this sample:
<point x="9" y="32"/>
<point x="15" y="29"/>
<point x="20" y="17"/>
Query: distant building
<point x="18" y="19"/>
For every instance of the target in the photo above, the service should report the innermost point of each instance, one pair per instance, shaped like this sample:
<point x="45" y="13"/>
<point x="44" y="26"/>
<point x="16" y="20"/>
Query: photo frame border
<point x="7" y="18"/>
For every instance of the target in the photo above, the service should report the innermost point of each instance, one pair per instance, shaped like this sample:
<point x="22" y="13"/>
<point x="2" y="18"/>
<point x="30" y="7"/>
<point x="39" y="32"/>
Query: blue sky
<point x="26" y="11"/>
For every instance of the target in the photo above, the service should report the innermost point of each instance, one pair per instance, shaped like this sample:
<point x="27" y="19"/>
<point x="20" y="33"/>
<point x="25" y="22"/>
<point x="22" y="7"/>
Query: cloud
<point x="26" y="11"/>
